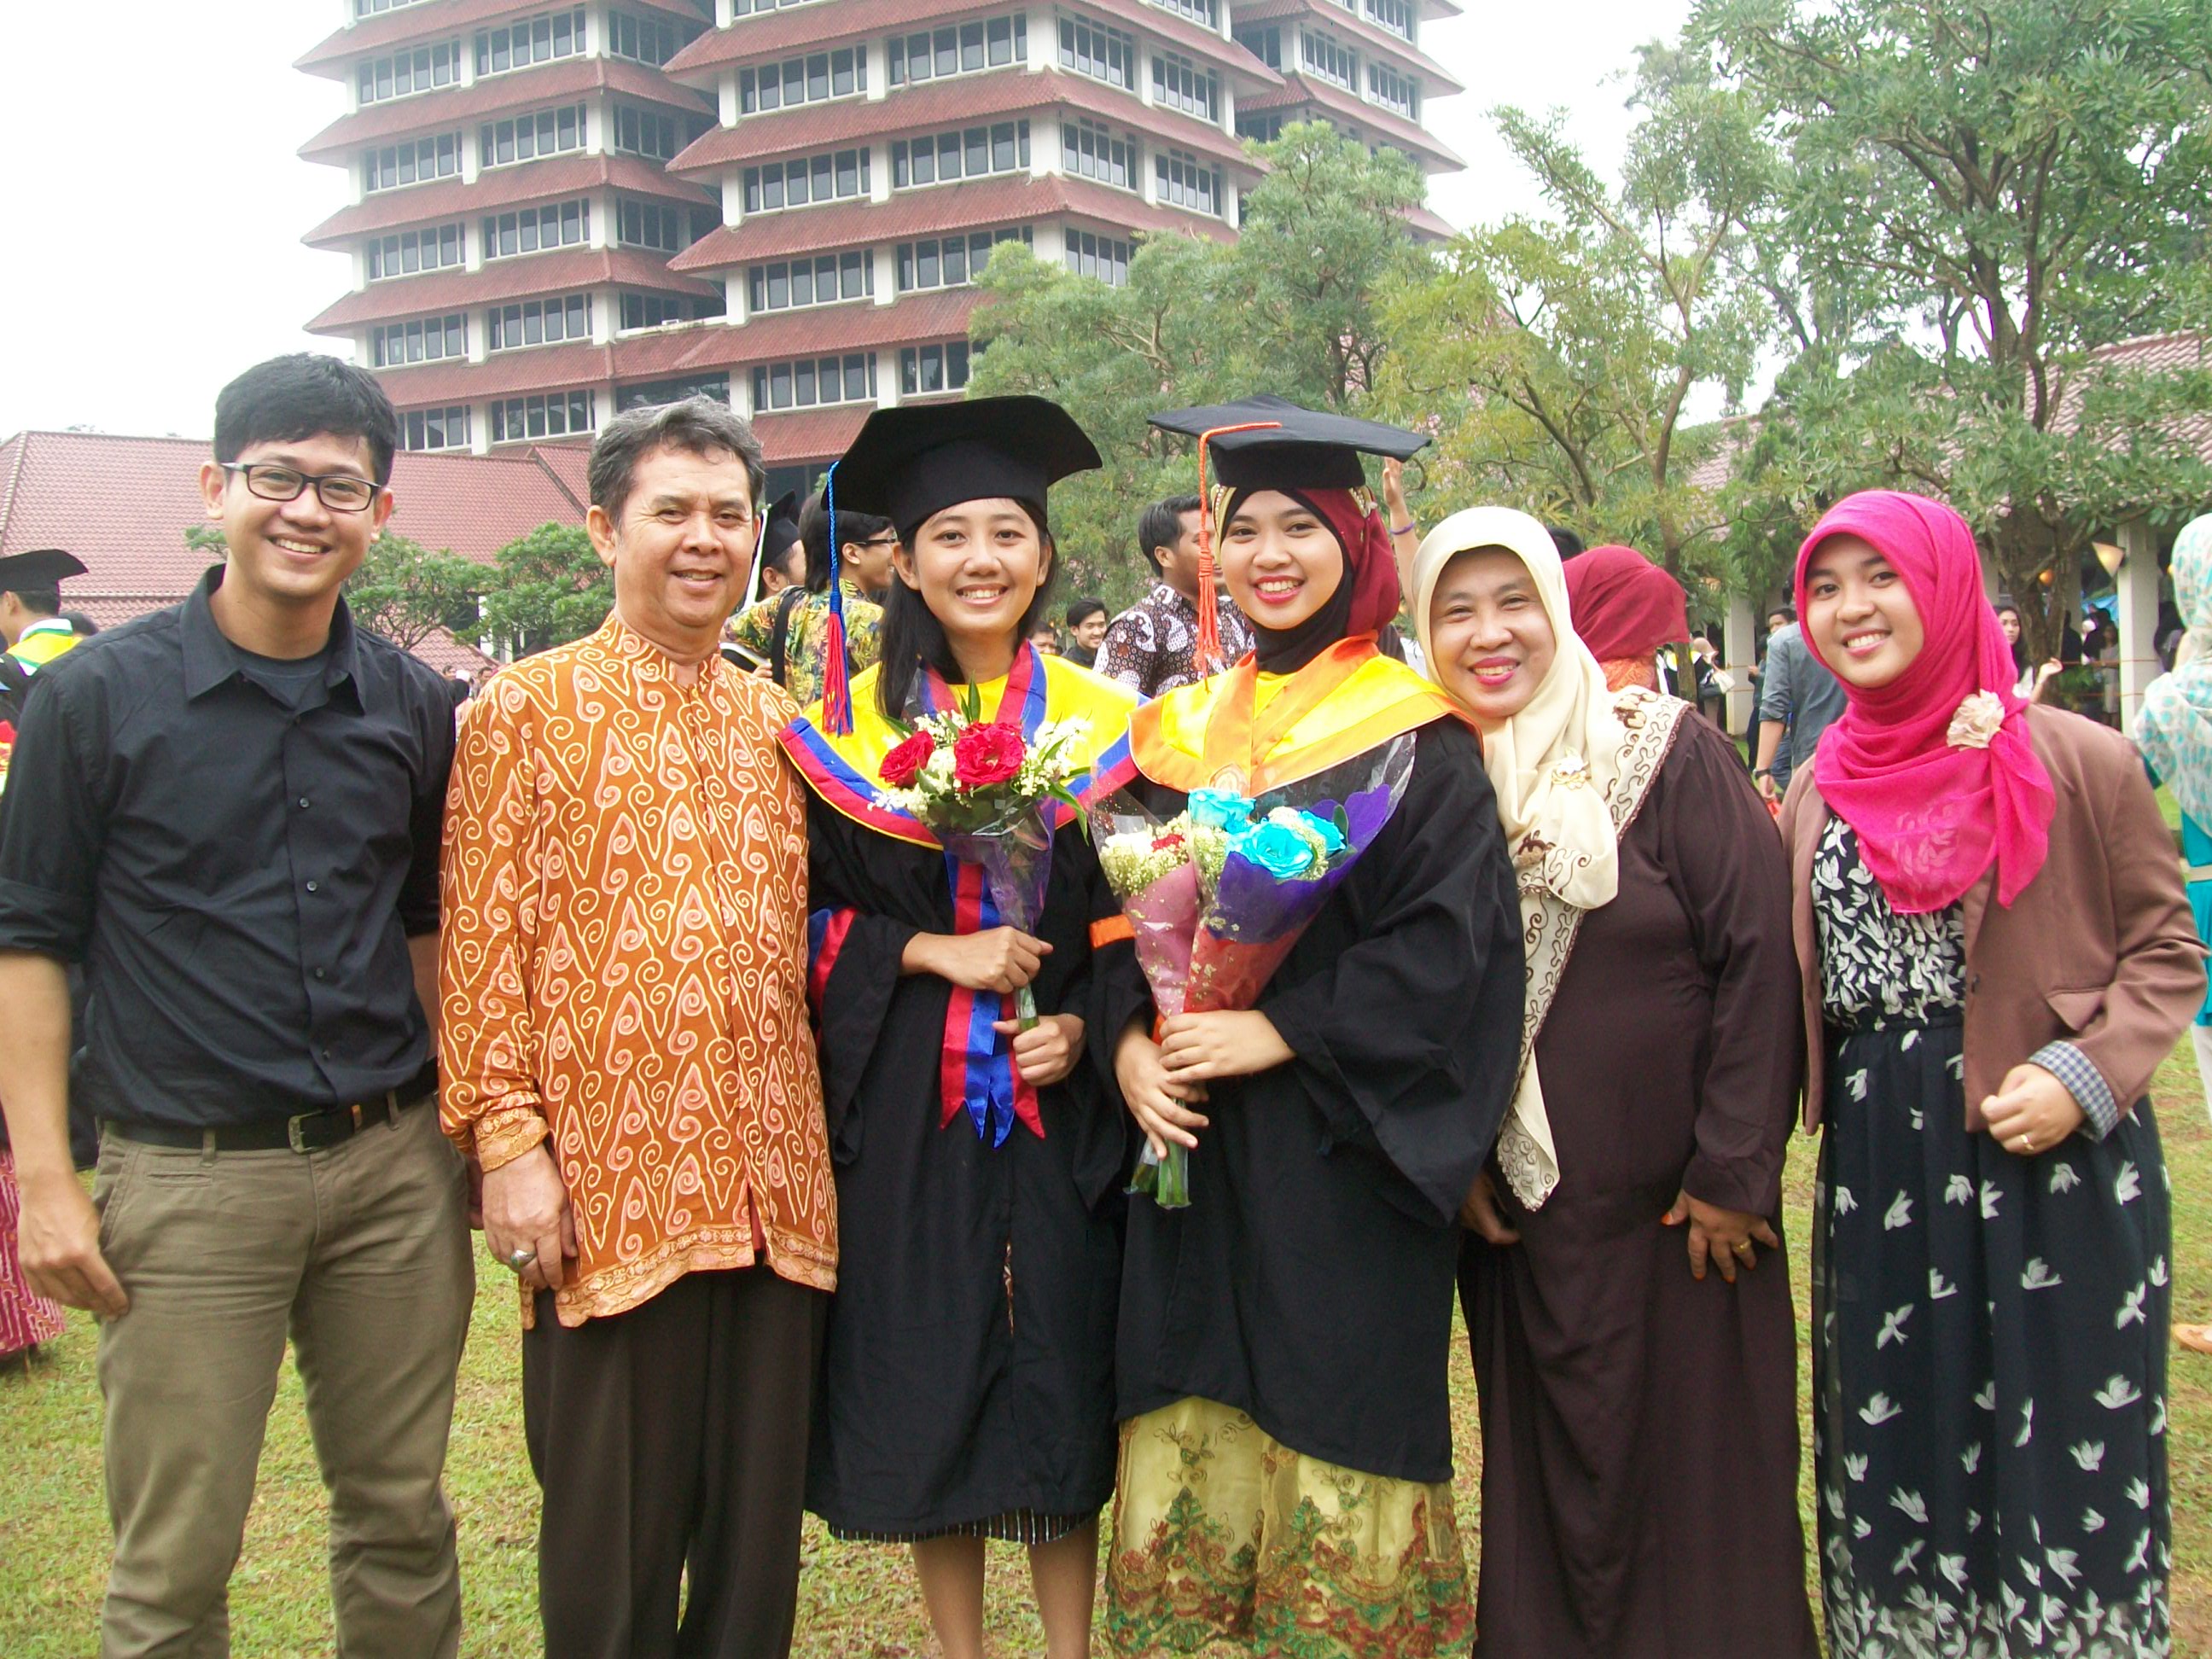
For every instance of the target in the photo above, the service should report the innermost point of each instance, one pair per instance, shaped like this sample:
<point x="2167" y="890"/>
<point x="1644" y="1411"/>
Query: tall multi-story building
<point x="560" y="213"/>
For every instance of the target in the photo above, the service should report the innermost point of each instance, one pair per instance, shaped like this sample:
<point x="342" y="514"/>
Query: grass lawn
<point x="856" y="1602"/>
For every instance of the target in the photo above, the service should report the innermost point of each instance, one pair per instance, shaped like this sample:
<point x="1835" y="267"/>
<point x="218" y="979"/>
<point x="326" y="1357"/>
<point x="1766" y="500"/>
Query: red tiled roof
<point x="2148" y="353"/>
<point x="802" y="333"/>
<point x="1335" y="102"/>
<point x="937" y="104"/>
<point x="1437" y="81"/>
<point x="502" y="279"/>
<point x="811" y="28"/>
<point x="449" y="107"/>
<point x="122" y="505"/>
<point x="438" y="18"/>
<point x="555" y="177"/>
<point x="964" y="206"/>
<point x="501" y="373"/>
<point x="810" y="434"/>
<point x="449" y="655"/>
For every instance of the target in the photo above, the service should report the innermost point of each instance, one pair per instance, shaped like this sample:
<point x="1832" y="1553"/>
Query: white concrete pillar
<point x="879" y="54"/>
<point x="725" y="13"/>
<point x="2138" y="609"/>
<point x="726" y="98"/>
<point x="885" y="259"/>
<point x="1738" y="654"/>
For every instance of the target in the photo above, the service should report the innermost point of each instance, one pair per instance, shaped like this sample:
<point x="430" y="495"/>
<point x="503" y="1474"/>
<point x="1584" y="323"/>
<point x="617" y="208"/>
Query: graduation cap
<point x="1268" y="442"/>
<point x="42" y="570"/>
<point x="781" y="529"/>
<point x="910" y="464"/>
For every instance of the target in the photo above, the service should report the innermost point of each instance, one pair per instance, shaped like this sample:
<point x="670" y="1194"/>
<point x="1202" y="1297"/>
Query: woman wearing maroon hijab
<point x="1996" y="954"/>
<point x="1626" y="608"/>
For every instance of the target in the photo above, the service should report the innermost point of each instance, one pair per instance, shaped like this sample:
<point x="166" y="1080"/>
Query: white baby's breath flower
<point x="1976" y="721"/>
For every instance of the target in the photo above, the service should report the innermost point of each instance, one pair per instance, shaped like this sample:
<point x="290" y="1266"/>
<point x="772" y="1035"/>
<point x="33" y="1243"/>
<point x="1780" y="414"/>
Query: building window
<point x="425" y="340"/>
<point x="651" y="310"/>
<point x="1187" y="182"/>
<point x="1324" y="56"/>
<point x="1264" y="43"/>
<point x="926" y="369"/>
<point x="539" y="322"/>
<point x="809" y="179"/>
<point x="1092" y="152"/>
<point x="803" y="80"/>
<point x="436" y="428"/>
<point x="1181" y="84"/>
<point x="413" y="162"/>
<point x="406" y="72"/>
<point x="1102" y="53"/>
<point x="649" y="224"/>
<point x="532" y="41"/>
<point x="812" y="381"/>
<point x="748" y="7"/>
<point x="653" y="392"/>
<point x="1264" y="128"/>
<point x="1199" y="11"/>
<point x="558" y="224"/>
<point x="652" y="40"/>
<point x="826" y="281"/>
<point x="1098" y="256"/>
<point x="641" y="132"/>
<point x="966" y="155"/>
<point x="553" y="417"/>
<point x="547" y="132"/>
<point x="1396" y="15"/>
<point x="962" y="49"/>
<point x="371" y="7"/>
<point x="952" y="261"/>
<point x="410" y="250"/>
<point x="1394" y="91"/>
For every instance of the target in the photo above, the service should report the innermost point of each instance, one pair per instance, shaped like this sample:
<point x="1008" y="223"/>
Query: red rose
<point x="986" y="753"/>
<point x="904" y="763"/>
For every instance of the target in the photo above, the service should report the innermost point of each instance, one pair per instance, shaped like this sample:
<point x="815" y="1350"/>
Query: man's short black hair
<point x="299" y="395"/>
<point x="1571" y="545"/>
<point x="1787" y="612"/>
<point x="1160" y="525"/>
<point x="814" y="531"/>
<point x="1081" y="611"/>
<point x="39" y="601"/>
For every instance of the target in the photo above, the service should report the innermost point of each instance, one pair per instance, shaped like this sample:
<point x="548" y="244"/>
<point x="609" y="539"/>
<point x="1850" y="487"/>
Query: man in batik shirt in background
<point x="627" y="1053"/>
<point x="1152" y="647"/>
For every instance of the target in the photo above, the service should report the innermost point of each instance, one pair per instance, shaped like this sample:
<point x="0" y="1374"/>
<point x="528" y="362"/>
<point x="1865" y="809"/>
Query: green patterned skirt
<point x="1221" y="1531"/>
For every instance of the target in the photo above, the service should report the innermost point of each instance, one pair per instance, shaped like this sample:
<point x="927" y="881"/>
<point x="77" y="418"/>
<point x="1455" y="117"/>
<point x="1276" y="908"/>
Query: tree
<point x="1991" y="193"/>
<point x="1558" y="359"/>
<point x="549" y="587"/>
<point x="1288" y="308"/>
<point x="406" y="592"/>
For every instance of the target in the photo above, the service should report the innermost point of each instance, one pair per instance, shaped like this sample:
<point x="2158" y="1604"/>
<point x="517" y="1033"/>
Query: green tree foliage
<point x="548" y="588"/>
<point x="1558" y="359"/>
<point x="1979" y="197"/>
<point x="406" y="592"/>
<point x="1290" y="308"/>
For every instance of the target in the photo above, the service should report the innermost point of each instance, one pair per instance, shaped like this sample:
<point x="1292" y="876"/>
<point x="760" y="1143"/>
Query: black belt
<point x="305" y="1132"/>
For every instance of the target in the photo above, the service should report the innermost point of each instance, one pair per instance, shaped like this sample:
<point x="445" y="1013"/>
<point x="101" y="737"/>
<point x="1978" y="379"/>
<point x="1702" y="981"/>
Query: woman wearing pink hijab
<point x="1997" y="953"/>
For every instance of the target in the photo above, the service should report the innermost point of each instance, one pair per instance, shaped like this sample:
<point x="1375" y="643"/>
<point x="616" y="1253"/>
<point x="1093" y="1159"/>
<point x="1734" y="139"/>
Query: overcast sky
<point x="154" y="211"/>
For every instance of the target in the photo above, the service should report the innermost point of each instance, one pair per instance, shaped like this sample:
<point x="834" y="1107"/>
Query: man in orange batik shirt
<point x="625" y="1050"/>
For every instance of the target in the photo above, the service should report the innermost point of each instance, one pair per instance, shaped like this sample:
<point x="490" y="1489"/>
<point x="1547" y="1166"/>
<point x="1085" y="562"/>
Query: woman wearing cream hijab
<point x="1639" y="1410"/>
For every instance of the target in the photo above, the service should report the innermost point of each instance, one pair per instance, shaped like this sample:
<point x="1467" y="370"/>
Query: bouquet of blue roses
<point x="1218" y="894"/>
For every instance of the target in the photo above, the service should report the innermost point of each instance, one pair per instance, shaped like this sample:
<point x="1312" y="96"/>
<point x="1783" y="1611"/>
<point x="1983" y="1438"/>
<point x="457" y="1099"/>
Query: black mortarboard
<point x="911" y="463"/>
<point x="782" y="527"/>
<point x="40" y="571"/>
<point x="1290" y="447"/>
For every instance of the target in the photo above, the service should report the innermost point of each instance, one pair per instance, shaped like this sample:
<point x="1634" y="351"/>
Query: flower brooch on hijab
<point x="1976" y="721"/>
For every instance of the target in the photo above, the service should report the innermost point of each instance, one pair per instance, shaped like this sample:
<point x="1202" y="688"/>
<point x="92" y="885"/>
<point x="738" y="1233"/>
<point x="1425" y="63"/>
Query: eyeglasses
<point x="889" y="538"/>
<point x="341" y="492"/>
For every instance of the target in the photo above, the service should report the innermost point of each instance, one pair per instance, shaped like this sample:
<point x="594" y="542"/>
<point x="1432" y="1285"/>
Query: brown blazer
<point x="2099" y="951"/>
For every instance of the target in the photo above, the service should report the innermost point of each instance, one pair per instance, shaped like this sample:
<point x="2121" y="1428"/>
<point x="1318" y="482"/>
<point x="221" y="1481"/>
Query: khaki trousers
<point x="361" y="1254"/>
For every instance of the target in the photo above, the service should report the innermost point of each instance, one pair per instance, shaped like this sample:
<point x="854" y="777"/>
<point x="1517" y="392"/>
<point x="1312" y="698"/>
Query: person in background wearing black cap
<point x="789" y="635"/>
<point x="229" y="811"/>
<point x="967" y="1378"/>
<point x="782" y="558"/>
<point x="33" y="630"/>
<point x="1285" y="1464"/>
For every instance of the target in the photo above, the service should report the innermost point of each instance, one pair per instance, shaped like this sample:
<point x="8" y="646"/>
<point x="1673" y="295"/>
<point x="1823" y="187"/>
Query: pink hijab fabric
<point x="1932" y="812"/>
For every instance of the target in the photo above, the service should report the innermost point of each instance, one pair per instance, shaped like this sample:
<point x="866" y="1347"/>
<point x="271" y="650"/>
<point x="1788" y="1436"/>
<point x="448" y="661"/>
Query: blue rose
<point x="1218" y="809"/>
<point x="1332" y="838"/>
<point x="1276" y="848"/>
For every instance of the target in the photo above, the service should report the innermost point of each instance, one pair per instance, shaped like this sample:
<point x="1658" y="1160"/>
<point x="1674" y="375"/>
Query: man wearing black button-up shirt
<point x="228" y="812"/>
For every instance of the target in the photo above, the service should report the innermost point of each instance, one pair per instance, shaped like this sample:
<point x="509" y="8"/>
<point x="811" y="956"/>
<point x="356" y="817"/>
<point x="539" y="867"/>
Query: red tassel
<point x="836" y="689"/>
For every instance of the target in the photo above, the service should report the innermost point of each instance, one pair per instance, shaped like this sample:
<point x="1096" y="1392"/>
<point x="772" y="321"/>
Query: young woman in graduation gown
<point x="1997" y="953"/>
<point x="966" y="1383"/>
<point x="1285" y="1456"/>
<point x="1623" y="1282"/>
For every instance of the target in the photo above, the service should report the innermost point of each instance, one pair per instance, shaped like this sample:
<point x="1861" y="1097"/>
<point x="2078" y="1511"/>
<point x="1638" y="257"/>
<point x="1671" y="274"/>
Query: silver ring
<point x="520" y="1259"/>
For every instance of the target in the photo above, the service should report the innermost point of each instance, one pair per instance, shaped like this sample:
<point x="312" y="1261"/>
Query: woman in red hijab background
<point x="1626" y="608"/>
<point x="1996" y="954"/>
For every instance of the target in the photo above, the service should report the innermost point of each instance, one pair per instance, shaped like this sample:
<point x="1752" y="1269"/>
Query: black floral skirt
<point x="1988" y="1368"/>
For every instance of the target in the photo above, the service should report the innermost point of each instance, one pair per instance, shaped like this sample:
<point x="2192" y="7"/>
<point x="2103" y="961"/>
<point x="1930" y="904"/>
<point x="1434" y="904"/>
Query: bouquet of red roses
<point x="1217" y="895"/>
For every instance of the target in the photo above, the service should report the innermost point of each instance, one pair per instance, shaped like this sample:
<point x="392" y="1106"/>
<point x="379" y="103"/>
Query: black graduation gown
<point x="1309" y="1282"/>
<point x="968" y="1367"/>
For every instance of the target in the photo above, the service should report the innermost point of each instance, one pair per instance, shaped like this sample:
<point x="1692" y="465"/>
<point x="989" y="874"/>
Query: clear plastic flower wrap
<point x="1219" y="894"/>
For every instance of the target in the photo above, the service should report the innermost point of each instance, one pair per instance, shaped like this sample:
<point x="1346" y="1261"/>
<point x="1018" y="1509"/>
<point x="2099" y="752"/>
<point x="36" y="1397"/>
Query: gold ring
<point x="2026" y="1145"/>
